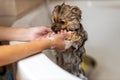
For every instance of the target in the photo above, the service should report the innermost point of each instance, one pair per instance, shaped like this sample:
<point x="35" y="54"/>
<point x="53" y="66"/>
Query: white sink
<point x="101" y="19"/>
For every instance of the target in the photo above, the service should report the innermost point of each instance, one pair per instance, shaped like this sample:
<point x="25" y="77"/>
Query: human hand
<point x="58" y="40"/>
<point x="36" y="33"/>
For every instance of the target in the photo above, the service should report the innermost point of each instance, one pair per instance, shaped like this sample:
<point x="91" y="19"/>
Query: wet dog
<point x="66" y="17"/>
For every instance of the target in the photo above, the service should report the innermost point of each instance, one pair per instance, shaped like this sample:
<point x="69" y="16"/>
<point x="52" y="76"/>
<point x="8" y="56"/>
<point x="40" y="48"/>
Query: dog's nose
<point x="53" y="28"/>
<point x="56" y="27"/>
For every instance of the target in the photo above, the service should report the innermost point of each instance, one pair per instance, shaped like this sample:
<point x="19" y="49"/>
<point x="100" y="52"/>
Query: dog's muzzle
<point x="55" y="29"/>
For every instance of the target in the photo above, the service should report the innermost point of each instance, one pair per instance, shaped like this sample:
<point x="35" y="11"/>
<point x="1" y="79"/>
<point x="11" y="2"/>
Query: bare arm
<point x="17" y="34"/>
<point x="12" y="53"/>
<point x="23" y="33"/>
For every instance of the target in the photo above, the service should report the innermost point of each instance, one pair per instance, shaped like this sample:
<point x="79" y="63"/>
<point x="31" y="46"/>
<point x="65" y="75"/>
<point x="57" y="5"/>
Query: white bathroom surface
<point x="101" y="19"/>
<point x="39" y="67"/>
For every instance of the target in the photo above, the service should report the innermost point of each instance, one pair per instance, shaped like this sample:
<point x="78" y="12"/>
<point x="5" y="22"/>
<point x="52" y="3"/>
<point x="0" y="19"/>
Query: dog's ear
<point x="63" y="4"/>
<point x="59" y="7"/>
<point x="83" y="34"/>
<point x="77" y="11"/>
<point x="55" y="13"/>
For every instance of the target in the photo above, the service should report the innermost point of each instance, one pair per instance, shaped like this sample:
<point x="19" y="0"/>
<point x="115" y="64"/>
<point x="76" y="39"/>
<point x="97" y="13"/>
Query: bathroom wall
<point x="10" y="10"/>
<point x="7" y="7"/>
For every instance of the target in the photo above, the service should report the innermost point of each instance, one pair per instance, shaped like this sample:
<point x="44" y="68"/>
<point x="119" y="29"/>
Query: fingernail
<point x="69" y="32"/>
<point x="65" y="31"/>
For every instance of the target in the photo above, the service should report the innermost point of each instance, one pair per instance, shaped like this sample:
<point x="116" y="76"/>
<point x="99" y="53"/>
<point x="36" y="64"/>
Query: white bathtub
<point x="101" y="19"/>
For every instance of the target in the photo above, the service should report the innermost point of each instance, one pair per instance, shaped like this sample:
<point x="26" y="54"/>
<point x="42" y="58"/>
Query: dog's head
<point x="66" y="17"/>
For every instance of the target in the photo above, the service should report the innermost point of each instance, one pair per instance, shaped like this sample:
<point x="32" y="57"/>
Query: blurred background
<point x="100" y="18"/>
<point x="11" y="10"/>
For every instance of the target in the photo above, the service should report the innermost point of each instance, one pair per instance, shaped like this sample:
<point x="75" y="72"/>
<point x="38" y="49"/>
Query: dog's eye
<point x="76" y="29"/>
<point x="62" y="22"/>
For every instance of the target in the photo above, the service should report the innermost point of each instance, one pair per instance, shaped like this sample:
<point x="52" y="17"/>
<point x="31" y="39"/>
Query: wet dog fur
<point x="66" y="17"/>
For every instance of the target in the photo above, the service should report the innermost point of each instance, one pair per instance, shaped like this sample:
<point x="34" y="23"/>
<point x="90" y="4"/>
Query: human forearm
<point x="17" y="34"/>
<point x="12" y="53"/>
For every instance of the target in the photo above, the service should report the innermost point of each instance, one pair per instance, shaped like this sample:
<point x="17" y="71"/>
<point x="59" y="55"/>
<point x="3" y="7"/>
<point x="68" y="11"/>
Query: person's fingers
<point x="65" y="31"/>
<point x="69" y="33"/>
<point x="53" y="33"/>
<point x="44" y="29"/>
<point x="62" y="31"/>
<point x="58" y="32"/>
<point x="48" y="29"/>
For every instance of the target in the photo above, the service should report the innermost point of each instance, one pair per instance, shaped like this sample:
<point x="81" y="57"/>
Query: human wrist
<point x="52" y="43"/>
<point x="22" y="34"/>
